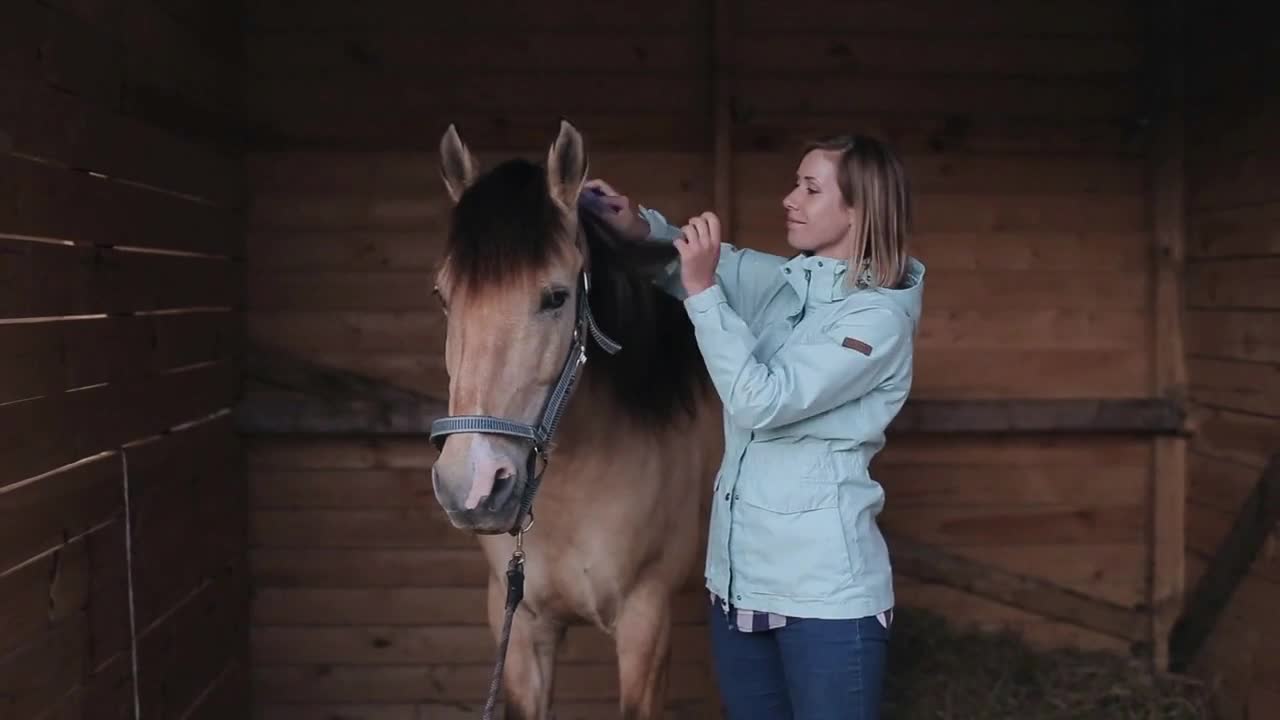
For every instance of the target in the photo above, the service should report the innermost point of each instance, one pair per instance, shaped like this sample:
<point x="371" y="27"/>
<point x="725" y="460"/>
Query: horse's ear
<point x="566" y="167"/>
<point x="457" y="165"/>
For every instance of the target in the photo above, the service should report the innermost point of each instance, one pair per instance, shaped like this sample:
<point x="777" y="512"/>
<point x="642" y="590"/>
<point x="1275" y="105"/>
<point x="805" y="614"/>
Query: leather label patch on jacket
<point x="854" y="344"/>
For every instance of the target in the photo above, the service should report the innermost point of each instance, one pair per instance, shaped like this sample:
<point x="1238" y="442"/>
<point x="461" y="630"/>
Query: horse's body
<point x="619" y="512"/>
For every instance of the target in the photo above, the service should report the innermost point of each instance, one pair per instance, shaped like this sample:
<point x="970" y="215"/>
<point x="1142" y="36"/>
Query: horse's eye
<point x="554" y="299"/>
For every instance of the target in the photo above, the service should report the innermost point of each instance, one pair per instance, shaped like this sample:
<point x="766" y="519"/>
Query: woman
<point x="812" y="358"/>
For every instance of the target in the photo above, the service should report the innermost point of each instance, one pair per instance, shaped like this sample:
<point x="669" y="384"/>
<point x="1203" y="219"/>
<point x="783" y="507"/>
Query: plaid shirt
<point x="757" y="621"/>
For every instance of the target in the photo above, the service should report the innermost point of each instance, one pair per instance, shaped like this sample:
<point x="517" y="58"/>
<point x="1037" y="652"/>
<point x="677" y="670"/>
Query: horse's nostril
<point x="504" y="482"/>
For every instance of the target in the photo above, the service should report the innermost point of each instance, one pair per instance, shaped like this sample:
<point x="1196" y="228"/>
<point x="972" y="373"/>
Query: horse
<point x="555" y="327"/>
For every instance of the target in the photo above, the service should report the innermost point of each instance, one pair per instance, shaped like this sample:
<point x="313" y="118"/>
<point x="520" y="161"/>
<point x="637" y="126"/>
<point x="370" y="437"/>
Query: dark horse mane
<point x="506" y="226"/>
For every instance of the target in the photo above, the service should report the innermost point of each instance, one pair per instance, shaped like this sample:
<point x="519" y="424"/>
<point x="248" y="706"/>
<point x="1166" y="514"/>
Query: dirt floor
<point x="940" y="672"/>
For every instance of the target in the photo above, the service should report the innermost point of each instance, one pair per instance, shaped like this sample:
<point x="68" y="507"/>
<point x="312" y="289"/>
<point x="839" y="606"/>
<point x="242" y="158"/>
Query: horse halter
<point x="552" y="410"/>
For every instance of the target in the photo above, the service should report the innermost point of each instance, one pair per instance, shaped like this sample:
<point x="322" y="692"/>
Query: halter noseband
<point x="552" y="410"/>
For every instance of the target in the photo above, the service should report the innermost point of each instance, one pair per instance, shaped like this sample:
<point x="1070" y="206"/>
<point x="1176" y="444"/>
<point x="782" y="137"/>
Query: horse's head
<point x="513" y="283"/>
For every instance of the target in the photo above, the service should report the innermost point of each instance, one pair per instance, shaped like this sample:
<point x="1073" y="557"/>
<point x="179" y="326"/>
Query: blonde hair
<point x="873" y="183"/>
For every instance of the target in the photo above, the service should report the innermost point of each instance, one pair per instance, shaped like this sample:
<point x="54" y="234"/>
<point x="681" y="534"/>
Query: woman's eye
<point x="440" y="298"/>
<point x="554" y="299"/>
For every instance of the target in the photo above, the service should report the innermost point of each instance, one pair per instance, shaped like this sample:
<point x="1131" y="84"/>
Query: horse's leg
<point x="643" y="637"/>
<point x="527" y="676"/>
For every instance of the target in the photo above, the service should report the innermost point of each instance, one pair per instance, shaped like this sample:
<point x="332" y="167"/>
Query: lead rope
<point x="515" y="592"/>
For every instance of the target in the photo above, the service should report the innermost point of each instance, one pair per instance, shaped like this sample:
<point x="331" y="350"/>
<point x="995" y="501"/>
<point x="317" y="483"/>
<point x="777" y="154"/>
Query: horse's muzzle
<point x="496" y="512"/>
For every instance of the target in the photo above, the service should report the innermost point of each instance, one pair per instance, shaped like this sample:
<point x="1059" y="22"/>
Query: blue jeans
<point x="808" y="670"/>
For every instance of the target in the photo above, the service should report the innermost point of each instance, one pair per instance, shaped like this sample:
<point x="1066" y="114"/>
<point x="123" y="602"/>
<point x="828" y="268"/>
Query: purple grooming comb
<point x="591" y="199"/>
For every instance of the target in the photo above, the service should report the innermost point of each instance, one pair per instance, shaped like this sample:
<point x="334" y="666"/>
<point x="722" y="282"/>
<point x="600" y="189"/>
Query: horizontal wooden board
<point x="367" y="250"/>
<point x="420" y="249"/>
<point x="958" y="213"/>
<point x="83" y="577"/>
<point x="1239" y="120"/>
<point x="187" y="493"/>
<point x="1037" y="290"/>
<point x="183" y="653"/>
<point x="50" y="357"/>
<point x="975" y="486"/>
<point x="229" y="695"/>
<point x="411" y="332"/>
<point x="421" y="525"/>
<point x="1240" y="232"/>
<point x="405" y="606"/>
<point x="761" y="177"/>
<point x="1019" y="451"/>
<point x="862" y="50"/>
<point x="943" y="131"/>
<point x="486" y="15"/>
<point x="1094" y="17"/>
<point x="977" y="290"/>
<point x="43" y="514"/>
<point x="44" y="279"/>
<point x="1107" y="96"/>
<point x="409" y="172"/>
<point x="162" y="56"/>
<point x="36" y="198"/>
<point x="1235" y="335"/>
<point x="34" y="678"/>
<point x="1013" y="329"/>
<point x="1251" y="387"/>
<point x="1008" y="524"/>
<point x="69" y="131"/>
<point x="335" y="453"/>
<point x="395" y="48"/>
<point x="1243" y="179"/>
<point x="368" y="567"/>
<point x="389" y="126"/>
<point x="37" y="596"/>
<point x="1230" y="284"/>
<point x="80" y="59"/>
<point x="458" y="683"/>
<point x="285" y="99"/>
<point x="340" y="489"/>
<point x="443" y="644"/>
<point x="43" y="434"/>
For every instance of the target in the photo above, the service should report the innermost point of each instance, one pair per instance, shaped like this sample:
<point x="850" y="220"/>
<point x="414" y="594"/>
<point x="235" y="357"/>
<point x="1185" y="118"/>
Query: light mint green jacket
<point x="810" y="371"/>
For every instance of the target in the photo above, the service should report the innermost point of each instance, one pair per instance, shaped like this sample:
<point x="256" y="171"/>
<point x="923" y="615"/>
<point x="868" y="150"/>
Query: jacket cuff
<point x="705" y="300"/>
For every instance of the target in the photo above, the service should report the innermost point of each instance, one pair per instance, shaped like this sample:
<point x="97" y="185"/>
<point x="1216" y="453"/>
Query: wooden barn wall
<point x="1021" y="128"/>
<point x="122" y="487"/>
<point x="1233" y="321"/>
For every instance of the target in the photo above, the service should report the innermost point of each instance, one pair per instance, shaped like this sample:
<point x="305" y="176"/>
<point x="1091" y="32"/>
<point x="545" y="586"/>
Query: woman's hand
<point x="616" y="210"/>
<point x="699" y="250"/>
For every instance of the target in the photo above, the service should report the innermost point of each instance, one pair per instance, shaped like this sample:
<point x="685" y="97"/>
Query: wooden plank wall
<point x="1233" y="323"/>
<point x="1021" y="129"/>
<point x="122" y="493"/>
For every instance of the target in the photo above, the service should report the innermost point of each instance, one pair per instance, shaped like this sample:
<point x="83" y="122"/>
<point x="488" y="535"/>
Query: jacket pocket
<point x="788" y="539"/>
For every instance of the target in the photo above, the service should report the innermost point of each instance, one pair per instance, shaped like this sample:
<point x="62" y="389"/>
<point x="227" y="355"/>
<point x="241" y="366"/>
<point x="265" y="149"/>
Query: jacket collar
<point x="819" y="279"/>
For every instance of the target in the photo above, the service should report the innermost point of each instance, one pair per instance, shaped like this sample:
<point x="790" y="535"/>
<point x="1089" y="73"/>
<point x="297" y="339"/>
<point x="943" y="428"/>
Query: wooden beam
<point x="287" y="394"/>
<point x="1230" y="565"/>
<point x="1166" y="178"/>
<point x="1105" y="415"/>
<point x="1043" y="598"/>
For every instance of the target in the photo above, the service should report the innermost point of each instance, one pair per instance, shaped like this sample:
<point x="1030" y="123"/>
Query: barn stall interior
<point x="219" y="223"/>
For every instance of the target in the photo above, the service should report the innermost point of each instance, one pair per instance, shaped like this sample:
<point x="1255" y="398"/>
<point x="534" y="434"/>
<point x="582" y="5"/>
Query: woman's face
<point x="818" y="220"/>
